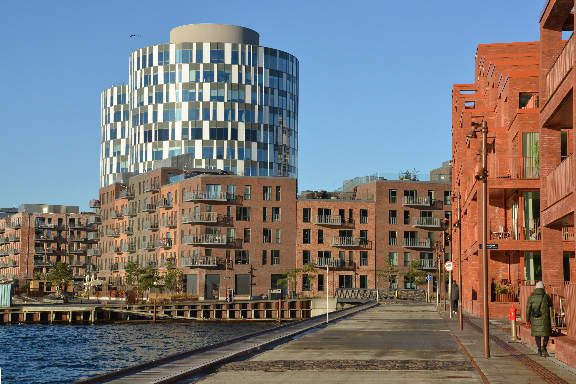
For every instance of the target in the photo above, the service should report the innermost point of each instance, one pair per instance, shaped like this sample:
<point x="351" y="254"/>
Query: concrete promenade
<point x="394" y="343"/>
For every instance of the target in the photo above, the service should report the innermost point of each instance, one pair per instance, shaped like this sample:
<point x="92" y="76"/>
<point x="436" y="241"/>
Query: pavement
<point x="395" y="343"/>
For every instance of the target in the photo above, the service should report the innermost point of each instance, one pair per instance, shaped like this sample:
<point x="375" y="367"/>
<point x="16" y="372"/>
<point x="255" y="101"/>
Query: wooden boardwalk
<point x="177" y="367"/>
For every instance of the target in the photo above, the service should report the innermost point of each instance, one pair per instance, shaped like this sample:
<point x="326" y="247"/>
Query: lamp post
<point x="483" y="177"/>
<point x="460" y="291"/>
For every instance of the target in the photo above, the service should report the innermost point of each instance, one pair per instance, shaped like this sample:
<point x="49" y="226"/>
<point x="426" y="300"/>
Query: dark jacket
<point x="455" y="293"/>
<point x="540" y="326"/>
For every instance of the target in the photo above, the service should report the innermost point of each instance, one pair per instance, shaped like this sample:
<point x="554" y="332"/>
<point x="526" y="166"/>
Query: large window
<point x="392" y="217"/>
<point x="363" y="258"/>
<point x="530" y="155"/>
<point x="305" y="282"/>
<point x="241" y="256"/>
<point x="242" y="213"/>
<point x="305" y="236"/>
<point x="392" y="196"/>
<point x="267" y="193"/>
<point x="266" y="235"/>
<point x="306" y="212"/>
<point x="275" y="256"/>
<point x="393" y="258"/>
<point x="320" y="236"/>
<point x="305" y="257"/>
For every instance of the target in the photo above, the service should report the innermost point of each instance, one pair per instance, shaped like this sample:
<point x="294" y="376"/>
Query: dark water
<point x="64" y="354"/>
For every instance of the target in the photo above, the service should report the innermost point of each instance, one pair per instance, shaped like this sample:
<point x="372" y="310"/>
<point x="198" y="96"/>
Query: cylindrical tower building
<point x="212" y="92"/>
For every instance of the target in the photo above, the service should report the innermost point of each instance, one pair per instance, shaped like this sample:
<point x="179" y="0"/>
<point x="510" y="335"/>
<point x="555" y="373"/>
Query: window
<point x="393" y="258"/>
<point x="320" y="236"/>
<point x="363" y="236"/>
<point x="363" y="281"/>
<point x="320" y="282"/>
<point x="266" y="235"/>
<point x="345" y="281"/>
<point x="275" y="256"/>
<point x="392" y="217"/>
<point x="276" y="214"/>
<point x="392" y="238"/>
<point x="264" y="214"/>
<point x="406" y="259"/>
<point x="231" y="192"/>
<point x="305" y="282"/>
<point x="406" y="217"/>
<point x="305" y="236"/>
<point x="409" y="282"/>
<point x="363" y="258"/>
<point x="241" y="256"/>
<point x="247" y="192"/>
<point x="392" y="196"/>
<point x="306" y="212"/>
<point x="278" y="233"/>
<point x="267" y="193"/>
<point x="305" y="257"/>
<point x="447" y="197"/>
<point x="277" y="193"/>
<point x="363" y="216"/>
<point x="264" y="257"/>
<point x="247" y="234"/>
<point x="242" y="213"/>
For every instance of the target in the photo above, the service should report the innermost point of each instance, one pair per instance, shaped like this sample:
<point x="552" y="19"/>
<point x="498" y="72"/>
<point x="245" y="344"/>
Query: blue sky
<point x="374" y="88"/>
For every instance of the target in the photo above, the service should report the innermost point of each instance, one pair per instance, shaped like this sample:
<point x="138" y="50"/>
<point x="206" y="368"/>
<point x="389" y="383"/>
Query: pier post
<point x="52" y="317"/>
<point x="92" y="315"/>
<point x="70" y="317"/>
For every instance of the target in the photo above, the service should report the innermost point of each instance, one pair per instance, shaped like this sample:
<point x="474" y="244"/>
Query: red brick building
<point x="37" y="237"/>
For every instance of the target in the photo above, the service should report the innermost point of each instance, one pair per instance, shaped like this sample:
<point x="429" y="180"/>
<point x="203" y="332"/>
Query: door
<point x="212" y="287"/>
<point x="192" y="284"/>
<point x="242" y="284"/>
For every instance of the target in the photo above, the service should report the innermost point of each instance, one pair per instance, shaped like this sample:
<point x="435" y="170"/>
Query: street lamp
<point x="483" y="177"/>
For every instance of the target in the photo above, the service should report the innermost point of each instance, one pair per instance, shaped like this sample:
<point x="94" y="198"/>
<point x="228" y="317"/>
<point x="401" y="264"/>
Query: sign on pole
<point x="448" y="266"/>
<point x="428" y="277"/>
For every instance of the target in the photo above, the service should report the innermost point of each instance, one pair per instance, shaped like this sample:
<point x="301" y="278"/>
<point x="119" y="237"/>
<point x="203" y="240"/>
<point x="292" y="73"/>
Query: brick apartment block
<point x="39" y="236"/>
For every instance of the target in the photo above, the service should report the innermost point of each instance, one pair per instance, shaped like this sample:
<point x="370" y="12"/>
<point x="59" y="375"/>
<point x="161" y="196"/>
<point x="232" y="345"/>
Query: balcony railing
<point x="415" y="243"/>
<point x="127" y="230"/>
<point x="560" y="68"/>
<point x="79" y="250"/>
<point x="43" y="225"/>
<point x="427" y="222"/>
<point x="529" y="230"/>
<point x="164" y="243"/>
<point x="126" y="194"/>
<point x="164" y="203"/>
<point x="94" y="204"/>
<point x="4" y="240"/>
<point x="560" y="182"/>
<point x="15" y="225"/>
<point x="202" y="217"/>
<point x="204" y="240"/>
<point x="43" y="238"/>
<point x="323" y="262"/>
<point x="568" y="233"/>
<point x="93" y="236"/>
<point x="44" y="251"/>
<point x="169" y="223"/>
<point x="522" y="167"/>
<point x="416" y="201"/>
<point x="130" y="212"/>
<point x="328" y="220"/>
<point x="77" y="225"/>
<point x="92" y="220"/>
<point x="148" y="208"/>
<point x="116" y="215"/>
<point x="112" y="233"/>
<point x="427" y="264"/>
<point x="152" y="187"/>
<point x="206" y="196"/>
<point x="345" y="242"/>
<point x="13" y="238"/>
<point x="3" y="252"/>
<point x="206" y="261"/>
<point x="94" y="252"/>
<point x="128" y="248"/>
<point x="150" y="226"/>
<point x="78" y="239"/>
<point x="42" y="263"/>
<point x="150" y="246"/>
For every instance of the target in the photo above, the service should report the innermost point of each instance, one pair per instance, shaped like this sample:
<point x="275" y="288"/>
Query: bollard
<point x="154" y="313"/>
<point x="512" y="318"/>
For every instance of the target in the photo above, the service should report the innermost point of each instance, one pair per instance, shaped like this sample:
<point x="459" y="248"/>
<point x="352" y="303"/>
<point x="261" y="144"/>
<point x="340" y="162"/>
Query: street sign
<point x="448" y="266"/>
<point x="428" y="277"/>
<point x="490" y="246"/>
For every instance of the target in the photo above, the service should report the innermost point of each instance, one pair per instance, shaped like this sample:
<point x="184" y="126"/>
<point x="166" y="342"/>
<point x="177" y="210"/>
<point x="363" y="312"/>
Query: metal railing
<point x="415" y="243"/>
<point x="94" y="204"/>
<point x="94" y="252"/>
<point x="151" y="187"/>
<point x="126" y="194"/>
<point x="93" y="236"/>
<point x="206" y="261"/>
<point x="563" y="64"/>
<point x="427" y="264"/>
<point x="164" y="243"/>
<point x="345" y="242"/>
<point x="328" y="220"/>
<point x="130" y="212"/>
<point x="128" y="248"/>
<point x="210" y="196"/>
<point x="77" y="250"/>
<point x="417" y="201"/>
<point x="116" y="214"/>
<point x="96" y="219"/>
<point x="127" y="230"/>
<point x="322" y="262"/>
<point x="164" y="203"/>
<point x="427" y="222"/>
<point x="148" y="208"/>
<point x="202" y="217"/>
<point x="169" y="222"/>
<point x="112" y="233"/>
<point x="13" y="238"/>
<point x="204" y="239"/>
<point x="150" y="226"/>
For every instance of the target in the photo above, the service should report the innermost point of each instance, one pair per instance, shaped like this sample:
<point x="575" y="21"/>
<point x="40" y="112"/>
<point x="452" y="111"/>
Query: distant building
<point x="442" y="174"/>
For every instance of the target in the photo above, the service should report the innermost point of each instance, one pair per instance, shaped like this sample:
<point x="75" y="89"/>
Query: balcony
<point x="427" y="222"/>
<point x="3" y="252"/>
<point x="77" y="263"/>
<point x="150" y="226"/>
<point x="417" y="244"/>
<point x="204" y="240"/>
<point x="116" y="215"/>
<point x="77" y="225"/>
<point x="328" y="220"/>
<point x="42" y="263"/>
<point x="519" y="167"/>
<point x="2" y="229"/>
<point x="345" y="242"/>
<point x="128" y="230"/>
<point x="94" y="252"/>
<point x="77" y="250"/>
<point x="415" y="201"/>
<point x="530" y="230"/>
<point x="152" y="187"/>
<point x="15" y="225"/>
<point x="164" y="203"/>
<point x="148" y="208"/>
<point x="164" y="243"/>
<point x="200" y="218"/>
<point x="40" y="237"/>
<point x="94" y="204"/>
<point x="13" y="238"/>
<point x="117" y="249"/>
<point x="43" y="251"/>
<point x="93" y="236"/>
<point x="14" y="251"/>
<point x="129" y="212"/>
<point x="12" y="263"/>
<point x="427" y="264"/>
<point x="4" y="240"/>
<point x="207" y="261"/>
<point x="126" y="194"/>
<point x="150" y="246"/>
<point x="560" y="68"/>
<point x="323" y="262"/>
<point x="77" y="239"/>
<point x="568" y="233"/>
<point x="128" y="248"/>
<point x="44" y="225"/>
<point x="94" y="220"/>
<point x="560" y="182"/>
<point x="169" y="223"/>
<point x="207" y="196"/>
<point x="112" y="233"/>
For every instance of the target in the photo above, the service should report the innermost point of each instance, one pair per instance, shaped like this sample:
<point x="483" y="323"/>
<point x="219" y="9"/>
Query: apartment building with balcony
<point x="223" y="231"/>
<point x="37" y="236"/>
<point x="378" y="225"/>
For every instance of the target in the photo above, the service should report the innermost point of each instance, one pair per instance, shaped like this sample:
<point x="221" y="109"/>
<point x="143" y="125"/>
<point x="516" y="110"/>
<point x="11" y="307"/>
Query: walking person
<point x="538" y="318"/>
<point x="455" y="296"/>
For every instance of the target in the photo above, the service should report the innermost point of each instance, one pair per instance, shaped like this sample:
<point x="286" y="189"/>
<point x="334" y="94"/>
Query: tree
<point x="60" y="276"/>
<point x="133" y="272"/>
<point x="290" y="277"/>
<point x="148" y="276"/>
<point x="415" y="274"/>
<point x="173" y="278"/>
<point x="387" y="273"/>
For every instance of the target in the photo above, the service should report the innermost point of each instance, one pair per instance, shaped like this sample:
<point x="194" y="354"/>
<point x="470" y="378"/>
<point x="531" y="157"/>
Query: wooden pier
<point x="255" y="310"/>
